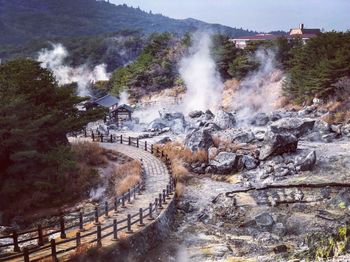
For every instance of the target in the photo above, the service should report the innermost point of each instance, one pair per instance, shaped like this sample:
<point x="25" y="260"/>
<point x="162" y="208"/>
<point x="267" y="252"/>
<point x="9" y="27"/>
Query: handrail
<point x="108" y="206"/>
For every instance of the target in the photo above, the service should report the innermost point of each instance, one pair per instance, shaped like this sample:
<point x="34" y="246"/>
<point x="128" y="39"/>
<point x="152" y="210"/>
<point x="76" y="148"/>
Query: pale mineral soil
<point x="260" y="225"/>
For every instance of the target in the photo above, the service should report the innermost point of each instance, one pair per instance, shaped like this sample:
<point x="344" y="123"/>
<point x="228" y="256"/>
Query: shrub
<point x="126" y="176"/>
<point x="90" y="153"/>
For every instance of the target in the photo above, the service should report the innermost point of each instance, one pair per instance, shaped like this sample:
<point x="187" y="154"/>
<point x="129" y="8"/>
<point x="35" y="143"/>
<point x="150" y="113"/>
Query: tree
<point x="35" y="116"/>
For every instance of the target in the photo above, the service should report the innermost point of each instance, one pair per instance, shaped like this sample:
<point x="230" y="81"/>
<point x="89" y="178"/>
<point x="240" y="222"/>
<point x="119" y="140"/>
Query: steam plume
<point x="204" y="86"/>
<point x="260" y="90"/>
<point x="54" y="59"/>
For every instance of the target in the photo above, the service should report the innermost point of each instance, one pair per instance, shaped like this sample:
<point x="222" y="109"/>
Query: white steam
<point x="260" y="90"/>
<point x="54" y="59"/>
<point x="124" y="98"/>
<point x="204" y="86"/>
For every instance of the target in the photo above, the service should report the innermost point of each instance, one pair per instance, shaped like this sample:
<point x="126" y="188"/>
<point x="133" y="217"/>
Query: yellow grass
<point x="90" y="153"/>
<point x="126" y="176"/>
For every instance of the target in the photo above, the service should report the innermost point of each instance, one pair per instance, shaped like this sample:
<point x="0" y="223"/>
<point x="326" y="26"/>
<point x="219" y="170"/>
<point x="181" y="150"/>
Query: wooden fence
<point x="80" y="219"/>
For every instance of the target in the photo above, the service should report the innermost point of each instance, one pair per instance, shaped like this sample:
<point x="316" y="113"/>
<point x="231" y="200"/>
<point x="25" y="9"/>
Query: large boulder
<point x="278" y="144"/>
<point x="260" y="119"/>
<point x="249" y="162"/>
<point x="224" y="163"/>
<point x="242" y="137"/>
<point x="292" y="125"/>
<point x="224" y="120"/>
<point x="175" y="121"/>
<point x="195" y="114"/>
<point x="306" y="163"/>
<point x="199" y="139"/>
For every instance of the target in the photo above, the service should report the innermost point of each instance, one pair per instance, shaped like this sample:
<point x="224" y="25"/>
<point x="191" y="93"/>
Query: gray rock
<point x="210" y="127"/>
<point x="336" y="129"/>
<point x="322" y="127"/>
<point x="195" y="114"/>
<point x="164" y="140"/>
<point x="242" y="137"/>
<point x="260" y="119"/>
<point x="306" y="163"/>
<point x="249" y="162"/>
<point x="296" y="126"/>
<point x="224" y="162"/>
<point x="173" y="116"/>
<point x="345" y="130"/>
<point x="157" y="124"/>
<point x="264" y="220"/>
<point x="199" y="139"/>
<point x="209" y="115"/>
<point x="224" y="120"/>
<point x="277" y="144"/>
<point x="329" y="137"/>
<point x="274" y="116"/>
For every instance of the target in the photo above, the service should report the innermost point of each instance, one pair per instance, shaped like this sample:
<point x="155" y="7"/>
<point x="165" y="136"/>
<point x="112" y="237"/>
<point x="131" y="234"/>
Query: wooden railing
<point x="81" y="219"/>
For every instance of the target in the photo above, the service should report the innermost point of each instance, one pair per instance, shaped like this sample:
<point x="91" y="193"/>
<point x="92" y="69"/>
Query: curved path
<point x="156" y="179"/>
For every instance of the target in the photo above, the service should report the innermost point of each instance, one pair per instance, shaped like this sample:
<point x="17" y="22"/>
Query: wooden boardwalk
<point x="156" y="180"/>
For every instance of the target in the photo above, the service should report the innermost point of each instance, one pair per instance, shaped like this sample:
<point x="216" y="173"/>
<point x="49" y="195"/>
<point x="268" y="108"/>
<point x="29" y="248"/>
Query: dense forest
<point x="23" y="21"/>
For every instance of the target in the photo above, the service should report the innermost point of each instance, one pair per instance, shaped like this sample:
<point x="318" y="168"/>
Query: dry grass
<point x="179" y="151"/>
<point x="180" y="189"/>
<point x="126" y="176"/>
<point x="90" y="153"/>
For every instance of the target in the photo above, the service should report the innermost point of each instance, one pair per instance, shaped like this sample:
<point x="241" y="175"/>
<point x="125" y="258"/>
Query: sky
<point x="259" y="15"/>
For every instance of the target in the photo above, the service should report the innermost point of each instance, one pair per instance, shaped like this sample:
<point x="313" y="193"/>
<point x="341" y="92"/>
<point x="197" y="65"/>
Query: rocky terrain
<point x="276" y="188"/>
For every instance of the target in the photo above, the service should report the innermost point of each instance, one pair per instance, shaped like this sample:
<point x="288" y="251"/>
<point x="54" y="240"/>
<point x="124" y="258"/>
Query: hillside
<point x="23" y="21"/>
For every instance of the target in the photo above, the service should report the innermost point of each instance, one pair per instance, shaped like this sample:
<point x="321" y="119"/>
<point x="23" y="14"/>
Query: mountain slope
<point x="25" y="20"/>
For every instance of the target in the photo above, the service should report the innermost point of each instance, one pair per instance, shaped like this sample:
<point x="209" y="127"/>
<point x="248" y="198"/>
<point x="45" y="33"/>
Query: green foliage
<point x="23" y="21"/>
<point x="326" y="246"/>
<point x="153" y="70"/>
<point x="223" y="52"/>
<point x="317" y="66"/>
<point x="113" y="49"/>
<point x="35" y="116"/>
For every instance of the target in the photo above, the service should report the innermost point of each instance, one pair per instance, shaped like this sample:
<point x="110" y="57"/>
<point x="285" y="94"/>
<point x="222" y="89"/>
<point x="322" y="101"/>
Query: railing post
<point x="26" y="254"/>
<point x="63" y="228"/>
<point x="129" y="196"/>
<point x="40" y="236"/>
<point x="106" y="209"/>
<point x="81" y="221"/>
<point x="78" y="239"/>
<point x="152" y="149"/>
<point x="129" y="224"/>
<point x="145" y="145"/>
<point x="15" y="241"/>
<point x="160" y="201"/>
<point x="121" y="139"/>
<point x="156" y="205"/>
<point x="99" y="236"/>
<point x="123" y="201"/>
<point x="111" y="140"/>
<point x="93" y="136"/>
<point x="137" y="142"/>
<point x="134" y="192"/>
<point x="150" y="211"/>
<point x="53" y="250"/>
<point x="139" y="186"/>
<point x="115" y="205"/>
<point x="115" y="230"/>
<point x="141" y="218"/>
<point x="85" y="133"/>
<point x="129" y="140"/>
<point x="164" y="196"/>
<point x="97" y="222"/>
<point x="101" y="137"/>
<point x="168" y="191"/>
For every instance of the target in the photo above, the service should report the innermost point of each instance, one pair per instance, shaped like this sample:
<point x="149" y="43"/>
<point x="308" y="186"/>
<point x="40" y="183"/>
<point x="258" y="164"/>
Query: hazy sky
<point x="260" y="15"/>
